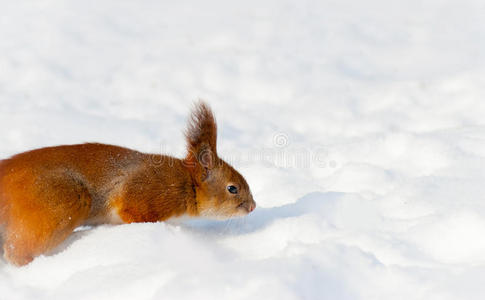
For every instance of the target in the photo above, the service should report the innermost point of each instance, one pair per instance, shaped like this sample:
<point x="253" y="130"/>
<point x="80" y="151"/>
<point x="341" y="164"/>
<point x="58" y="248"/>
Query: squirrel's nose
<point x="252" y="206"/>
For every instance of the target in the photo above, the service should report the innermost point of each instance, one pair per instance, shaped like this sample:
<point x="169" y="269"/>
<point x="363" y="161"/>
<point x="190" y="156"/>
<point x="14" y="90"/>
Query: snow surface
<point x="359" y="125"/>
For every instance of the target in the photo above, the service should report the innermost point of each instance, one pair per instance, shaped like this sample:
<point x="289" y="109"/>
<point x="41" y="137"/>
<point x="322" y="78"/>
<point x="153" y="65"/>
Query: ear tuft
<point x="201" y="134"/>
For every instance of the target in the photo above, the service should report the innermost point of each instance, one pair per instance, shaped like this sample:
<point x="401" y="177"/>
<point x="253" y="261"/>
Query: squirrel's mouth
<point x="247" y="206"/>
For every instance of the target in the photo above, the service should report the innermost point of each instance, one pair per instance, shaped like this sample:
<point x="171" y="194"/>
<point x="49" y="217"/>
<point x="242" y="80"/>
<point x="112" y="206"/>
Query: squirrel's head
<point x="221" y="192"/>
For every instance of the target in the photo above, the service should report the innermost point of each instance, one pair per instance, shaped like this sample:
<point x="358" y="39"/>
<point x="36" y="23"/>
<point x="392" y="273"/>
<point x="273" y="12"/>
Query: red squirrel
<point x="46" y="193"/>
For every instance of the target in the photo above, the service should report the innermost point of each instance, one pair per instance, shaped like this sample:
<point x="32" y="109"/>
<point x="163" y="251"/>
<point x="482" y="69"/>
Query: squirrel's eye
<point x="232" y="189"/>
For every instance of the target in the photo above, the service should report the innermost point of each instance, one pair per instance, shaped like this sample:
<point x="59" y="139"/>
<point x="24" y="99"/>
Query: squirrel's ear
<point x="201" y="135"/>
<point x="205" y="157"/>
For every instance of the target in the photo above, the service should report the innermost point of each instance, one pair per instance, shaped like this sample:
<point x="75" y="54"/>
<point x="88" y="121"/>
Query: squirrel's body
<point x="111" y="176"/>
<point x="46" y="193"/>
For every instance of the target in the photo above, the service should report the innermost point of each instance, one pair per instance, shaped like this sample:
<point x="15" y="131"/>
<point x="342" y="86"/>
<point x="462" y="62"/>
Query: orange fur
<point x="46" y="193"/>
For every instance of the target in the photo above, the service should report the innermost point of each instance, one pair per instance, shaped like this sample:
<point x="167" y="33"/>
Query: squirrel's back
<point x="91" y="159"/>
<point x="99" y="168"/>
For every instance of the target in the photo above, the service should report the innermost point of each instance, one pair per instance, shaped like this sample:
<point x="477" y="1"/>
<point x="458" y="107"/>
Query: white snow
<point x="359" y="125"/>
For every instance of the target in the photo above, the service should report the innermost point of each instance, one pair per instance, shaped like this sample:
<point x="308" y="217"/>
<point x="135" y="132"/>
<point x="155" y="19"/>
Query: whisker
<point x="228" y="224"/>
